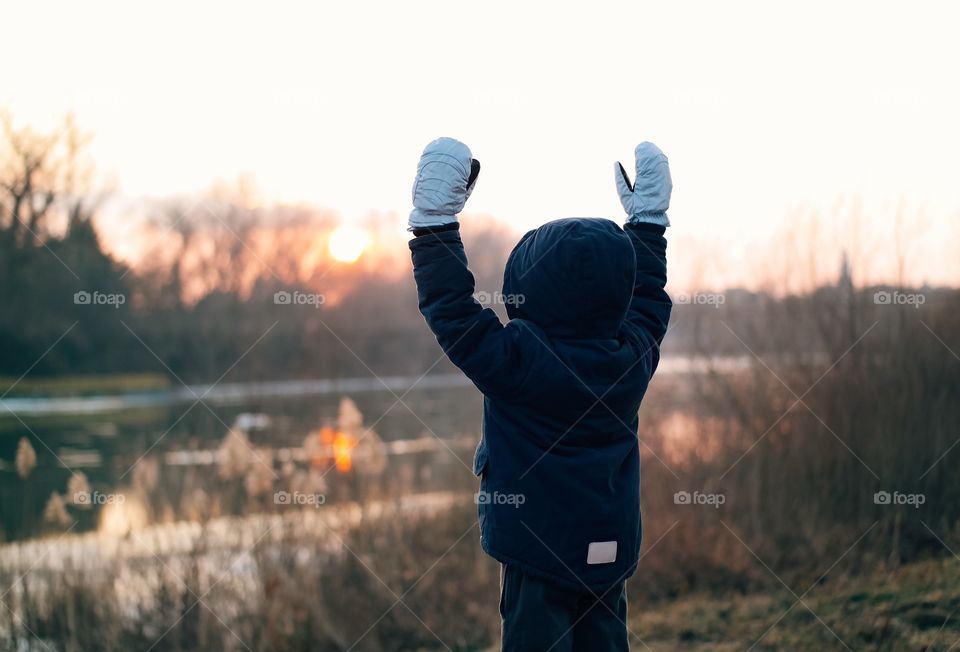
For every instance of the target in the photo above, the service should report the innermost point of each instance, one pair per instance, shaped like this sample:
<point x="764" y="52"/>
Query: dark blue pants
<point x="539" y="616"/>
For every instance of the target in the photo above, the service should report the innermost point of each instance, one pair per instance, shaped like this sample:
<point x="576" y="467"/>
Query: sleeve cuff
<point x="427" y="230"/>
<point x="645" y="227"/>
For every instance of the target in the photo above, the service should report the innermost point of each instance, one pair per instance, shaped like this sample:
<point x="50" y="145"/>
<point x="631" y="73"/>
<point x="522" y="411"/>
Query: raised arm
<point x="646" y="203"/>
<point x="471" y="336"/>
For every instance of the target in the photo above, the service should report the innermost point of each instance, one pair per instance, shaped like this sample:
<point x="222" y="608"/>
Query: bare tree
<point x="43" y="176"/>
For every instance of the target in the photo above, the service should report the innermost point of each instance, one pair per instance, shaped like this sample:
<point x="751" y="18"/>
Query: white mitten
<point x="446" y="176"/>
<point x="648" y="199"/>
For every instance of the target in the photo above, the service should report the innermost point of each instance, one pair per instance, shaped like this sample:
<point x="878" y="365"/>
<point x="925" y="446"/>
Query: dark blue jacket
<point x="562" y="383"/>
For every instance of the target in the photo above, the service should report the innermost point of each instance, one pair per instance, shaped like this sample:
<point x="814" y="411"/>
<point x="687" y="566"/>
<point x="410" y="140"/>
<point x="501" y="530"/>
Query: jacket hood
<point x="572" y="277"/>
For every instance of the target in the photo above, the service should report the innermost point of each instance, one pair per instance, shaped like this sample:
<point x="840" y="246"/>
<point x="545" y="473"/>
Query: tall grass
<point x="408" y="581"/>
<point x="846" y="398"/>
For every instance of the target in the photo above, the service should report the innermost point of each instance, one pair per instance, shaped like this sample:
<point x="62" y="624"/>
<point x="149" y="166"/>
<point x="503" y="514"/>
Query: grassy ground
<point x="82" y="385"/>
<point x="915" y="607"/>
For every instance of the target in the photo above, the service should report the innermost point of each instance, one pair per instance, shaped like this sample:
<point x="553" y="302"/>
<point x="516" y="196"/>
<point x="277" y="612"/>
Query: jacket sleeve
<point x="470" y="335"/>
<point x="650" y="307"/>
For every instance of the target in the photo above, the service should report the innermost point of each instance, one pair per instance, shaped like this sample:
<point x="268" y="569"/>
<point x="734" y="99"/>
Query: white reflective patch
<point x="602" y="552"/>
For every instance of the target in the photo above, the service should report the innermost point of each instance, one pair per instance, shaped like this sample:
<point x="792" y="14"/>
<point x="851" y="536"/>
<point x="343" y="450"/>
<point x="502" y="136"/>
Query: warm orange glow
<point x="347" y="243"/>
<point x="342" y="448"/>
<point x="337" y="445"/>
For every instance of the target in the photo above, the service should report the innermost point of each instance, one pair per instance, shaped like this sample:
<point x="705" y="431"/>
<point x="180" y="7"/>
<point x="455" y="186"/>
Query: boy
<point x="559" y="461"/>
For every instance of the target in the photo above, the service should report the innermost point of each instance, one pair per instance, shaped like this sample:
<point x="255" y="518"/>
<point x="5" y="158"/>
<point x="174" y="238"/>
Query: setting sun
<point x="348" y="242"/>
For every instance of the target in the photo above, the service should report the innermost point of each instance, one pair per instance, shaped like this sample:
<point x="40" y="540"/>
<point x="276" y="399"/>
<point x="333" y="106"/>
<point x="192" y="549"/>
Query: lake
<point x="170" y="449"/>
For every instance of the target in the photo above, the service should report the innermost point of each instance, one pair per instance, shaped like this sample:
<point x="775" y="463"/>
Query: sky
<point x="766" y="110"/>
